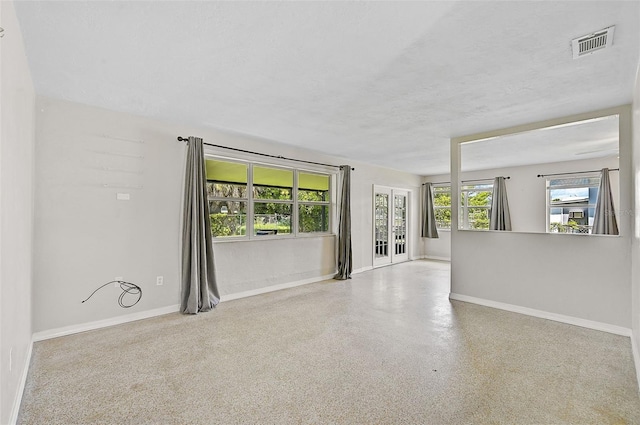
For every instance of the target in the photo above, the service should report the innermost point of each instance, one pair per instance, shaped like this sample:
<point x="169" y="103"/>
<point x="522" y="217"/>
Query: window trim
<point x="298" y="202"/>
<point x="587" y="205"/>
<point x="294" y="202"/>
<point x="442" y="207"/>
<point x="463" y="222"/>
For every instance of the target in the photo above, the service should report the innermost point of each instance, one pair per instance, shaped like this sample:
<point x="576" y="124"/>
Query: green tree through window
<point x="442" y="206"/>
<point x="314" y="202"/>
<point x="475" y="206"/>
<point x="271" y="193"/>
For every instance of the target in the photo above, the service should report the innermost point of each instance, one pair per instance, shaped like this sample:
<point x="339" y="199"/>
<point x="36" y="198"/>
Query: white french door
<point x="390" y="225"/>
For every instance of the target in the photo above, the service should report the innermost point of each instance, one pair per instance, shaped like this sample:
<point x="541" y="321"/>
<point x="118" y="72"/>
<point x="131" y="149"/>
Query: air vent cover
<point x="593" y="42"/>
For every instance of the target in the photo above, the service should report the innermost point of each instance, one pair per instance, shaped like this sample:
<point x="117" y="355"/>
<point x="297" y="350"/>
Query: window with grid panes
<point x="475" y="206"/>
<point x="442" y="206"/>
<point x="571" y="203"/>
<point x="256" y="200"/>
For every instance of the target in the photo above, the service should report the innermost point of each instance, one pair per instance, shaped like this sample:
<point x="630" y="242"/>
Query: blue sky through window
<point x="572" y="194"/>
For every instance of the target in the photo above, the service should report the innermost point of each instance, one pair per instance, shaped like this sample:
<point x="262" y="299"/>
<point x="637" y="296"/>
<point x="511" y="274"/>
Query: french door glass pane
<point x="400" y="224"/>
<point x="381" y="225"/>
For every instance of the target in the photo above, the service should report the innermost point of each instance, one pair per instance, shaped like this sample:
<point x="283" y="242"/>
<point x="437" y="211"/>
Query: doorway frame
<point x="392" y="191"/>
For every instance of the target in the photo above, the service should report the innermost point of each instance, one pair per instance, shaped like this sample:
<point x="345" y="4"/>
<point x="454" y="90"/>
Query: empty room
<point x="374" y="212"/>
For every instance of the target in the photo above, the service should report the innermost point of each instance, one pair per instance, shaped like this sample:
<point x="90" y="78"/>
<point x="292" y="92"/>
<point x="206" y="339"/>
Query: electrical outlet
<point x="117" y="279"/>
<point x="159" y="280"/>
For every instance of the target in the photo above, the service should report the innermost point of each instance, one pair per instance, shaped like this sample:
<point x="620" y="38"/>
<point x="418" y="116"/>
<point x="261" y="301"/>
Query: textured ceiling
<point x="381" y="82"/>
<point x="595" y="138"/>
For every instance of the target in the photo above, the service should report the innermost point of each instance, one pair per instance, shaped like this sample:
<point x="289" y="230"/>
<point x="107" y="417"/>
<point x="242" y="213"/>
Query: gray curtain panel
<point x="604" y="220"/>
<point x="345" y="260"/>
<point x="429" y="229"/>
<point x="199" y="289"/>
<point x="500" y="217"/>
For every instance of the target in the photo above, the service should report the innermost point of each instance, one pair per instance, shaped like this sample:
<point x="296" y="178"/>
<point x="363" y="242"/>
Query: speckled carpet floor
<point x="386" y="347"/>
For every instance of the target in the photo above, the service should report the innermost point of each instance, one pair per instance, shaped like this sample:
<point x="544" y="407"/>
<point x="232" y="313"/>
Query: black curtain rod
<point x="182" y="139"/>
<point x="436" y="183"/>
<point x="482" y="180"/>
<point x="576" y="172"/>
<point x="466" y="181"/>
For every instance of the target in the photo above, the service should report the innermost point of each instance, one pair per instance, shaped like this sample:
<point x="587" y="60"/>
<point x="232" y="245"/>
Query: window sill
<point x="582" y="234"/>
<point x="538" y="233"/>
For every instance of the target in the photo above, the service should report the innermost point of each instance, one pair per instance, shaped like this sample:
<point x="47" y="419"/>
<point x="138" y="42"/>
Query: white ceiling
<point x="386" y="83"/>
<point x="594" y="138"/>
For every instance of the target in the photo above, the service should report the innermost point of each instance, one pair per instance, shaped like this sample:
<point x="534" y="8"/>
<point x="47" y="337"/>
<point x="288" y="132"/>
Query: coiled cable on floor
<point x="128" y="288"/>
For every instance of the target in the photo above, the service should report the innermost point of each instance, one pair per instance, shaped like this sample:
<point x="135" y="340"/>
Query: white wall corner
<point x="636" y="356"/>
<point x="570" y="320"/>
<point x="15" y="410"/>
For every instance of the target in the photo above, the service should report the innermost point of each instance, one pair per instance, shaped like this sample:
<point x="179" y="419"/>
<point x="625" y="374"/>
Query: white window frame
<point x="582" y="229"/>
<point x="244" y="199"/>
<point x="442" y="207"/>
<point x="294" y="202"/>
<point x="253" y="201"/>
<point x="464" y="202"/>
<point x="298" y="203"/>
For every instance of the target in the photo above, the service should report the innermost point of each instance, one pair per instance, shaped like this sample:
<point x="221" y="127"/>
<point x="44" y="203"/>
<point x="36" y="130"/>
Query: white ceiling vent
<point x="593" y="42"/>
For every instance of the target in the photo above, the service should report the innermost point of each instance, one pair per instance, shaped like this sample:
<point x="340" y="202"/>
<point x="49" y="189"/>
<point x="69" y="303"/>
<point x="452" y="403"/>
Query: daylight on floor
<point x="372" y="212"/>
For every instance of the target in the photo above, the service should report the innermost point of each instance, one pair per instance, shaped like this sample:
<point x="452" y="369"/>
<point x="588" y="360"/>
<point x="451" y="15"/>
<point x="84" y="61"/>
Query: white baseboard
<point x="636" y="356"/>
<point x="433" y="257"/>
<point x="362" y="269"/>
<point x="590" y="324"/>
<point x="273" y="288"/>
<point x="73" y="329"/>
<point x="23" y="382"/>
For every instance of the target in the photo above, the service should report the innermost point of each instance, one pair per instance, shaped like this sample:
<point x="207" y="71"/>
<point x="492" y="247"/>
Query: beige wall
<point x="16" y="211"/>
<point x="587" y="278"/>
<point x="85" y="237"/>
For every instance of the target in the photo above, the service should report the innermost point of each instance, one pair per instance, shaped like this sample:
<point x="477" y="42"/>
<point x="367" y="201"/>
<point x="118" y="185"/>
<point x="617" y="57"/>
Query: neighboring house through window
<point x="571" y="203"/>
